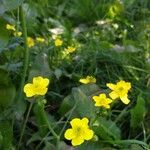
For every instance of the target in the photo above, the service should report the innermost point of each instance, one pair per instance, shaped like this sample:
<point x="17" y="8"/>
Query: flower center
<point x="121" y="89"/>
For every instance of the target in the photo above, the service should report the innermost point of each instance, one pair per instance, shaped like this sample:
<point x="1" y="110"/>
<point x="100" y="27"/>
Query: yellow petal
<point x="85" y="121"/>
<point x="103" y="96"/>
<point x="85" y="81"/>
<point x="125" y="99"/>
<point x="96" y="98"/>
<point x="40" y="81"/>
<point x="113" y="95"/>
<point x="41" y="91"/>
<point x="75" y="122"/>
<point x="77" y="141"/>
<point x="111" y="86"/>
<point x="69" y="134"/>
<point x="29" y="90"/>
<point x="88" y="134"/>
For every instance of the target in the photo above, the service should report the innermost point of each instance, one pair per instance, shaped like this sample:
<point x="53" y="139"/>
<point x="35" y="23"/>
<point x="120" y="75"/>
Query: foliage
<point x="67" y="41"/>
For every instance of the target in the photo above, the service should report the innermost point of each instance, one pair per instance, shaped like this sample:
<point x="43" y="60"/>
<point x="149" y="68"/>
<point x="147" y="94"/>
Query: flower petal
<point x="88" y="134"/>
<point x="75" y="122"/>
<point x="85" y="81"/>
<point x="69" y="134"/>
<point x="41" y="91"/>
<point x="96" y="98"/>
<point x="111" y="86"/>
<point x="85" y="121"/>
<point x="77" y="141"/>
<point x="125" y="99"/>
<point x="29" y="90"/>
<point x="113" y="95"/>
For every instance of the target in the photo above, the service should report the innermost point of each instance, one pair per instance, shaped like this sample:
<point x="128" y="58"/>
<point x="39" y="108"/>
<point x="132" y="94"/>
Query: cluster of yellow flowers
<point x="31" y="42"/>
<point x="70" y="49"/>
<point x="80" y="130"/>
<point x="119" y="90"/>
<point x="12" y="28"/>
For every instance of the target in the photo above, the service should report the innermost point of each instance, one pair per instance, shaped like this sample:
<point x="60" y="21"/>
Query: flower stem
<point x="26" y="54"/>
<point x="50" y="128"/>
<point x="24" y="125"/>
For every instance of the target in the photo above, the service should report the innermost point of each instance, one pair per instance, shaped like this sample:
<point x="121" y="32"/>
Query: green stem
<point x="26" y="54"/>
<point x="24" y="125"/>
<point x="50" y="128"/>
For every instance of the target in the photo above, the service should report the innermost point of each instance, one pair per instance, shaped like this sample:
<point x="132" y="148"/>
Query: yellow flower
<point x="10" y="27"/>
<point x="17" y="33"/>
<point x="39" y="39"/>
<point x="79" y="132"/>
<point x="88" y="79"/>
<point x="38" y="87"/>
<point x="58" y="42"/>
<point x="30" y="42"/>
<point x="120" y="90"/>
<point x="70" y="49"/>
<point x="102" y="100"/>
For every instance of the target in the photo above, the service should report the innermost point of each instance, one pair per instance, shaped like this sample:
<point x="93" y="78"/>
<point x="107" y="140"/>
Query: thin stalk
<point x="26" y="53"/>
<point x="24" y="125"/>
<point x="50" y="128"/>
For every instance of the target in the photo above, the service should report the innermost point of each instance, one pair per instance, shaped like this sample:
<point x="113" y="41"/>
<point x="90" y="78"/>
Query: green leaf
<point x="7" y="135"/>
<point x="106" y="129"/>
<point x="4" y="35"/>
<point x="40" y="66"/>
<point x="137" y="113"/>
<point x="8" y="5"/>
<point x="39" y="113"/>
<point x="7" y="90"/>
<point x="94" y="146"/>
<point x="81" y="97"/>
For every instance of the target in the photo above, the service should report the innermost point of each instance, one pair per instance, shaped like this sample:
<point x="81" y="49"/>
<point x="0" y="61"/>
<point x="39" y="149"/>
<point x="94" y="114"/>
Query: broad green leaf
<point x="138" y="112"/>
<point x="81" y="97"/>
<point x="7" y="135"/>
<point x="40" y="66"/>
<point x="106" y="129"/>
<point x="39" y="113"/>
<point x="7" y="90"/>
<point x="84" y="105"/>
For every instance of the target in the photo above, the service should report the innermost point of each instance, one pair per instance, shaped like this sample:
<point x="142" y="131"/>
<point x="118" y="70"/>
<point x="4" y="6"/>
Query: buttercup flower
<point x="30" y="42"/>
<point x="38" y="87"/>
<point x="120" y="90"/>
<point x="102" y="100"/>
<point x="58" y="42"/>
<point x="17" y="33"/>
<point x="88" y="79"/>
<point x="79" y="132"/>
<point x="10" y="27"/>
<point x="70" y="49"/>
<point x="39" y="39"/>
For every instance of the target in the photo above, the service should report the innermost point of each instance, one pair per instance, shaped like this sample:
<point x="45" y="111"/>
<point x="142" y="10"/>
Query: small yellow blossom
<point x="88" y="79"/>
<point x="58" y="42"/>
<point x="17" y="33"/>
<point x="79" y="132"/>
<point x="30" y="42"/>
<point x="40" y="40"/>
<point x="120" y="90"/>
<point x="70" y="49"/>
<point x="102" y="100"/>
<point x="38" y="87"/>
<point x="10" y="27"/>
